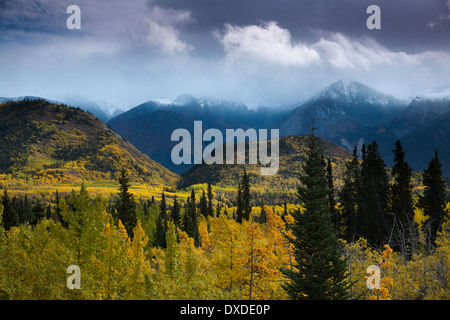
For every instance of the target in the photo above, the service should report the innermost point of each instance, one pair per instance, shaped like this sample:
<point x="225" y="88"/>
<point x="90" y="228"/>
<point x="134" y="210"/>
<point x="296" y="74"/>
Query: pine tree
<point x="204" y="205"/>
<point x="349" y="198"/>
<point x="210" y="209"/>
<point x="191" y="219"/>
<point x="433" y="200"/>
<point x="320" y="272"/>
<point x="175" y="213"/>
<point x="331" y="198"/>
<point x="406" y="231"/>
<point x="57" y="211"/>
<point x="126" y="207"/>
<point x="38" y="211"/>
<point x="10" y="216"/>
<point x="373" y="206"/>
<point x="246" y="197"/>
<point x="239" y="206"/>
<point x="161" y="223"/>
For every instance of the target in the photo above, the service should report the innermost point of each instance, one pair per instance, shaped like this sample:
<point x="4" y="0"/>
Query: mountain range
<point x="348" y="113"/>
<point x="149" y="126"/>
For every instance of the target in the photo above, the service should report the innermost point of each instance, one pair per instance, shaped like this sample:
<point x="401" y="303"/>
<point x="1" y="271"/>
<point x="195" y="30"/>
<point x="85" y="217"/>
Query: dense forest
<point x="318" y="248"/>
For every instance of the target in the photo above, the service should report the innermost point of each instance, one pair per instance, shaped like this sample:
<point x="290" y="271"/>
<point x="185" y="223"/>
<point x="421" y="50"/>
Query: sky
<point x="257" y="52"/>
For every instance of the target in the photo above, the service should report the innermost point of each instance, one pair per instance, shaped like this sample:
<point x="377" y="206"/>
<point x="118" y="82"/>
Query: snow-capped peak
<point x="184" y="99"/>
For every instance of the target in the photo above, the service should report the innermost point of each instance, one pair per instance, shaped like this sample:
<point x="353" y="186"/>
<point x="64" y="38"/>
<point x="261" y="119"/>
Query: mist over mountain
<point x="351" y="113"/>
<point x="149" y="126"/>
<point x="81" y="103"/>
<point x="346" y="112"/>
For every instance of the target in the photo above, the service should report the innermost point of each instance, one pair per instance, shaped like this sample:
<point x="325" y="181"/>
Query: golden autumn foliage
<point x="233" y="260"/>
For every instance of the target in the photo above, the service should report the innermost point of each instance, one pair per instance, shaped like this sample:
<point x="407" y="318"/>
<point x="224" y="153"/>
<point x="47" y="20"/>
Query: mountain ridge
<point x="59" y="144"/>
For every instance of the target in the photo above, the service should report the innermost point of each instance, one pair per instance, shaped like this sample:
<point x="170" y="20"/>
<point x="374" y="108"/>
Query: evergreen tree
<point x="239" y="213"/>
<point x="175" y="213"/>
<point x="262" y="216"/>
<point x="190" y="218"/>
<point x="246" y="197"/>
<point x="405" y="232"/>
<point x="331" y="198"/>
<point x="349" y="198"/>
<point x="10" y="216"/>
<point x="320" y="272"/>
<point x="218" y="209"/>
<point x="161" y="224"/>
<point x="126" y="207"/>
<point x="38" y="211"/>
<point x="210" y="204"/>
<point x="58" y="215"/>
<point x="373" y="207"/>
<point x="433" y="200"/>
<point x="204" y="205"/>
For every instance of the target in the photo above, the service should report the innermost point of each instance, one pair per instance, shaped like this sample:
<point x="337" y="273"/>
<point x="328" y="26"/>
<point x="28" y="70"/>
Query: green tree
<point x="433" y="200"/>
<point x="86" y="220"/>
<point x="320" y="272"/>
<point x="204" y="205"/>
<point x="334" y="213"/>
<point x="171" y="256"/>
<point x="405" y="228"/>
<point x="246" y="196"/>
<point x="175" y="212"/>
<point x="161" y="224"/>
<point x="349" y="198"/>
<point x="210" y="198"/>
<point x="126" y="207"/>
<point x="190" y="221"/>
<point x="10" y="216"/>
<point x="373" y="206"/>
<point x="239" y="206"/>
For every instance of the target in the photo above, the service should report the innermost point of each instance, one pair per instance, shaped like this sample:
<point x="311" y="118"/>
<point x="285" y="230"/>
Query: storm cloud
<point x="259" y="52"/>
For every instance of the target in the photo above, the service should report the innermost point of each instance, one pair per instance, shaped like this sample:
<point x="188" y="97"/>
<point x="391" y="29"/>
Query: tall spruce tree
<point x="192" y="218"/>
<point x="349" y="198"/>
<point x="38" y="211"/>
<point x="239" y="213"/>
<point x="161" y="223"/>
<point x="246" y="196"/>
<point x="405" y="228"/>
<point x="320" y="272"/>
<point x="334" y="213"/>
<point x="210" y="209"/>
<point x="126" y="207"/>
<point x="373" y="207"/>
<point x="10" y="216"/>
<point x="433" y="200"/>
<point x="204" y="204"/>
<point x="175" y="213"/>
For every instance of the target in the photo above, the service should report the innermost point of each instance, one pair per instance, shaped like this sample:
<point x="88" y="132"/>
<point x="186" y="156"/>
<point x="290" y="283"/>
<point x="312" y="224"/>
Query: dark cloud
<point x="254" y="51"/>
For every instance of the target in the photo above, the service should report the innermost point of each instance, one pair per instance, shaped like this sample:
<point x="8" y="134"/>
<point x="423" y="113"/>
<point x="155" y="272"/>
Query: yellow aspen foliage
<point x="34" y="261"/>
<point x="227" y="260"/>
<point x="386" y="283"/>
<point x="261" y="263"/>
<point x="276" y="232"/>
<point x="171" y="256"/>
<point x="123" y="231"/>
<point x="111" y="264"/>
<point x="359" y="256"/>
<point x="204" y="237"/>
